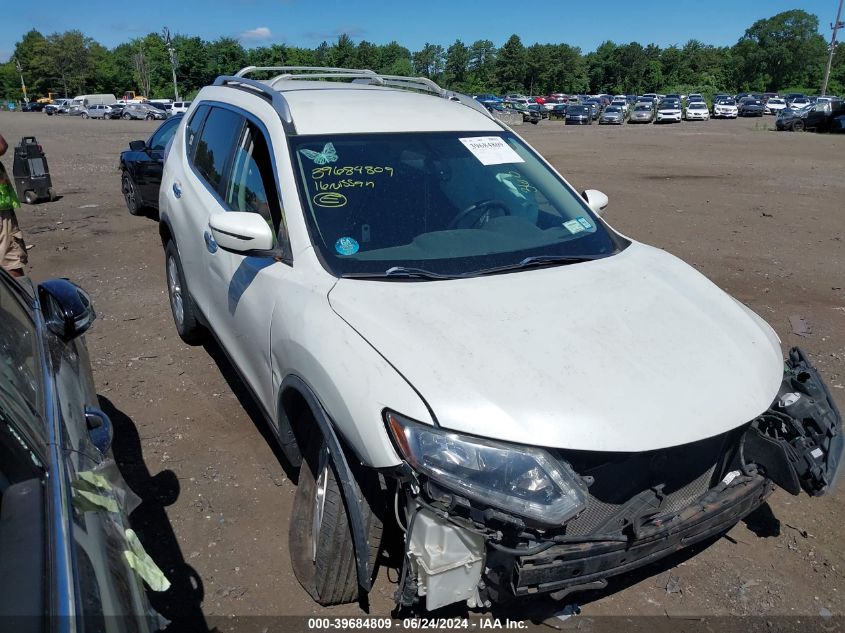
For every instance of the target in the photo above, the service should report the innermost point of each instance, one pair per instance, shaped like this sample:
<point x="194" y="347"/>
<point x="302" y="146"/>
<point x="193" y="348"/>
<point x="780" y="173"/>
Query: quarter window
<point x="193" y="130"/>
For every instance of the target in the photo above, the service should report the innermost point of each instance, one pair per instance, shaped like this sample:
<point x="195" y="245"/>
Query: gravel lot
<point x="759" y="212"/>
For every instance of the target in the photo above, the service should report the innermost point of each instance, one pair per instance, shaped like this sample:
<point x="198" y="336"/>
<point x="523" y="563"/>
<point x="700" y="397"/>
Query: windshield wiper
<point x="538" y="261"/>
<point x="400" y="272"/>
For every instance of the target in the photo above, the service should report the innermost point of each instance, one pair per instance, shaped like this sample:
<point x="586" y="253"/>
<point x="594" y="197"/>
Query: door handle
<point x="177" y="190"/>
<point x="210" y="244"/>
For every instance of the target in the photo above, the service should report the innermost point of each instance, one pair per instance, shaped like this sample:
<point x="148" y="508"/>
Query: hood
<point x="634" y="352"/>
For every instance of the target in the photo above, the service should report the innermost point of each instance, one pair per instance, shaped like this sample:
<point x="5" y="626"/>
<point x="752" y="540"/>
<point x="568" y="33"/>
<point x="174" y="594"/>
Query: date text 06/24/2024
<point x="363" y="623"/>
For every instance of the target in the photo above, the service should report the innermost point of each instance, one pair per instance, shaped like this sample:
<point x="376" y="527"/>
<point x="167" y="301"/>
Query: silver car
<point x="142" y="111"/>
<point x="100" y="111"/>
<point x="612" y="115"/>
<point x="642" y="113"/>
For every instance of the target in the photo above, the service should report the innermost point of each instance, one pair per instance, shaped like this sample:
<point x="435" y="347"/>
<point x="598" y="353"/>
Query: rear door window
<point x="216" y="145"/>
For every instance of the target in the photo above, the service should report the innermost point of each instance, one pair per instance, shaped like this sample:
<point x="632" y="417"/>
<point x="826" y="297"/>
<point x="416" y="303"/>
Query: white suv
<point x="445" y="335"/>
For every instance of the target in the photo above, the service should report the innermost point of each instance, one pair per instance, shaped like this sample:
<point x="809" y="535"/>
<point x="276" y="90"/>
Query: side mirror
<point x="137" y="146"/>
<point x="67" y="308"/>
<point x="596" y="200"/>
<point x="243" y="232"/>
<point x="100" y="430"/>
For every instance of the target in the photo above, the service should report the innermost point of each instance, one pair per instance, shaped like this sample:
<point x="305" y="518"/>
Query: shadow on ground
<point x="181" y="604"/>
<point x="249" y="405"/>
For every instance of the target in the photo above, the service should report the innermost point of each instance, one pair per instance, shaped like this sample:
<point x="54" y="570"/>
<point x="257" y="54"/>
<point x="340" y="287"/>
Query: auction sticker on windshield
<point x="491" y="150"/>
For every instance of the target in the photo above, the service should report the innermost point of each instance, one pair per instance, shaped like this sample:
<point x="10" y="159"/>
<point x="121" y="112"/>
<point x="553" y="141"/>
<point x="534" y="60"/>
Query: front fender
<point x="349" y="377"/>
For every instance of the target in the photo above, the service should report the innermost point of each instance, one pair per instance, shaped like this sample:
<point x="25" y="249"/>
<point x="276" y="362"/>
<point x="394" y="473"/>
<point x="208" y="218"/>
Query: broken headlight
<point x="518" y="479"/>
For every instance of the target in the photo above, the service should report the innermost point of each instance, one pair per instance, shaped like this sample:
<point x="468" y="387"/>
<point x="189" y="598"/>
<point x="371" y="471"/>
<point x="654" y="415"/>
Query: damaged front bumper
<point x="564" y="568"/>
<point x="460" y="552"/>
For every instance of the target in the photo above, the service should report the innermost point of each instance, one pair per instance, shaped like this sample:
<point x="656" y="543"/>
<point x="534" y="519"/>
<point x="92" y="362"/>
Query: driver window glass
<point x="20" y="377"/>
<point x="162" y="137"/>
<point x="251" y="186"/>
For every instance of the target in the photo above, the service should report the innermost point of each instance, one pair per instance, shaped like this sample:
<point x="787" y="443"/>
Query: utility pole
<point x="23" y="85"/>
<point x="172" y="52"/>
<point x="838" y="24"/>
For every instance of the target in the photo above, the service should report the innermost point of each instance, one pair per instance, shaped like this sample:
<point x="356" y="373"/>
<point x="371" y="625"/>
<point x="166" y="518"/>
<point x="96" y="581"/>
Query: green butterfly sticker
<point x="328" y="155"/>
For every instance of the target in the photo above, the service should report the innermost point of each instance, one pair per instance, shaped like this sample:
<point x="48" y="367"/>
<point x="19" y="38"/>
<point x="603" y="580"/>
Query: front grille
<point x="685" y="473"/>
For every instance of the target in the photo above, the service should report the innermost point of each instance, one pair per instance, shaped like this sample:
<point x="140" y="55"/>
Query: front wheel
<point x="798" y="126"/>
<point x="321" y="546"/>
<point x="182" y="305"/>
<point x="84" y="115"/>
<point x="127" y="116"/>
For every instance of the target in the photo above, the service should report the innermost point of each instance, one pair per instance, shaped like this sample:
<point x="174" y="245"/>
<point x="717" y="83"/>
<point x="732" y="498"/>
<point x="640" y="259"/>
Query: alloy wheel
<point x="174" y="288"/>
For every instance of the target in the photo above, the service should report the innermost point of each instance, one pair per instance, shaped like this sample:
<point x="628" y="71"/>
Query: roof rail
<point x="275" y="97"/>
<point x="422" y="84"/>
<point x="243" y="72"/>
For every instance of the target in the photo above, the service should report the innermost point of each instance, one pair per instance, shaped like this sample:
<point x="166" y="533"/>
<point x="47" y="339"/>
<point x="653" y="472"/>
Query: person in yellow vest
<point x="12" y="247"/>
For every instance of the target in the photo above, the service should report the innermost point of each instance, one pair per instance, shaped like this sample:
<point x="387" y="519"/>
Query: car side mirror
<point x="596" y="200"/>
<point x="100" y="430"/>
<point x="137" y="146"/>
<point x="67" y="308"/>
<point x="243" y="233"/>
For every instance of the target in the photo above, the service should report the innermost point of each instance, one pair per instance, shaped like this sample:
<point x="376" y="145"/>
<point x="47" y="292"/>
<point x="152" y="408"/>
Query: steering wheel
<point x="484" y="209"/>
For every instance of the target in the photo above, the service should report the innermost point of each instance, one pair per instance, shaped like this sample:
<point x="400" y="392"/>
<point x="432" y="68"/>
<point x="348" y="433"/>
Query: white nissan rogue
<point x="444" y="334"/>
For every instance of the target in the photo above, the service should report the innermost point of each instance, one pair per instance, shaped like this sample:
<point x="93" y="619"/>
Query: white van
<point x="180" y="107"/>
<point x="86" y="101"/>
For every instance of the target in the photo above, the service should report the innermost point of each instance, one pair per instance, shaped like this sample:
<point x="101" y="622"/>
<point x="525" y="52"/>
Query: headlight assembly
<point x="521" y="480"/>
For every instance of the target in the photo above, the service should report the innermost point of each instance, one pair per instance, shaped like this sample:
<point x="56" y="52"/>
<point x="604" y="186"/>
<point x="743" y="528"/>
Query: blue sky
<point x="308" y="22"/>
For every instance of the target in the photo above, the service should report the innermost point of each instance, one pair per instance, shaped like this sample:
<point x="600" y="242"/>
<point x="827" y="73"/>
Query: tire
<point x="323" y="553"/>
<point x="126" y="116"/>
<point x="51" y="193"/>
<point x="182" y="306"/>
<point x="84" y="115"/>
<point x="149" y="117"/>
<point x="30" y="197"/>
<point x="130" y="194"/>
<point x="798" y="126"/>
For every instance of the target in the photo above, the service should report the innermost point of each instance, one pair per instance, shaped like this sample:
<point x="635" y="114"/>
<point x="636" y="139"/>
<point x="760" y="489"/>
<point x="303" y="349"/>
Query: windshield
<point x="577" y="109"/>
<point x="611" y="110"/>
<point x="697" y="106"/>
<point x="642" y="107"/>
<point x="449" y="203"/>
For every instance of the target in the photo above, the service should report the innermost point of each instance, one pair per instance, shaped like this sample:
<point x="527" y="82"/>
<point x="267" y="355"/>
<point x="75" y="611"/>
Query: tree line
<point x="781" y="53"/>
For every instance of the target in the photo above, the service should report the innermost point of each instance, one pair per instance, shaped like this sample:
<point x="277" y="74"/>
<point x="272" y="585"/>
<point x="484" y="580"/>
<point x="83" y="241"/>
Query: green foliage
<point x="510" y="65"/>
<point x="778" y="51"/>
<point x="774" y="54"/>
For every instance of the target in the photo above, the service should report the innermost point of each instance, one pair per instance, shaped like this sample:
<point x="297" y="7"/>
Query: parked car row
<point x="144" y="110"/>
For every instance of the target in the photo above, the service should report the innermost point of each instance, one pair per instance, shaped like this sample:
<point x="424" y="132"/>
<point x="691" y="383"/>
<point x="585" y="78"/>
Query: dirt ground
<point x="761" y="213"/>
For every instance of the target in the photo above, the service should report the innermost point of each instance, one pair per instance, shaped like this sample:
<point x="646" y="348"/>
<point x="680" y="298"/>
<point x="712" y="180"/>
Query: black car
<point x="820" y="117"/>
<point x="141" y="166"/>
<point x="751" y="106"/>
<point x="558" y="111"/>
<point x="116" y="111"/>
<point x="32" y="106"/>
<point x="793" y="120"/>
<point x="579" y="115"/>
<point x="596" y="107"/>
<point x="63" y="526"/>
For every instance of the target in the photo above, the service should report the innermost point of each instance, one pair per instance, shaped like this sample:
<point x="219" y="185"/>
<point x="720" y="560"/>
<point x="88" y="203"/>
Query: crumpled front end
<point x="635" y="508"/>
